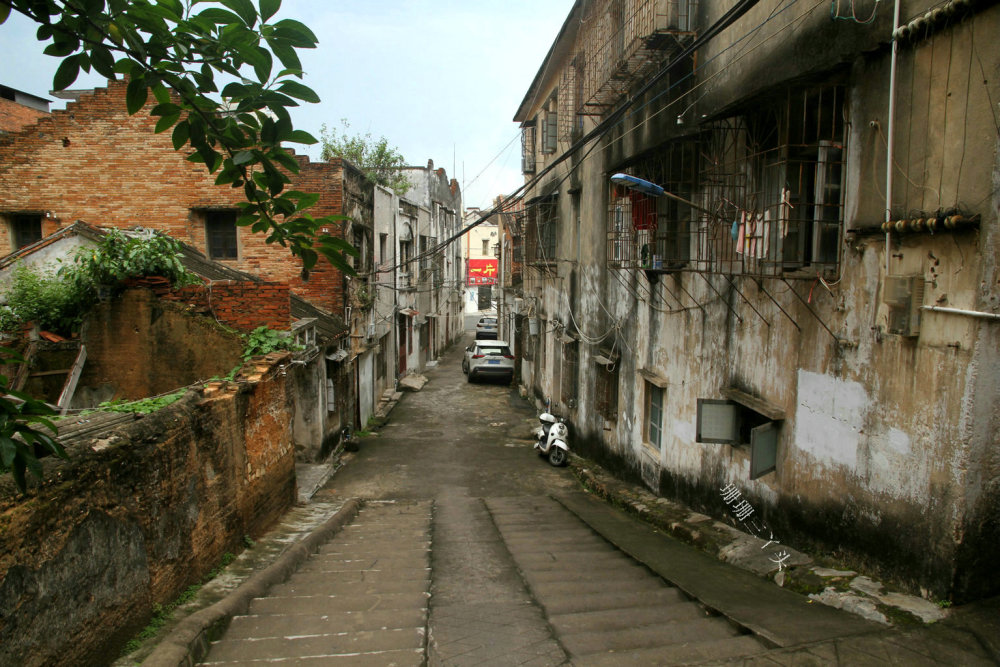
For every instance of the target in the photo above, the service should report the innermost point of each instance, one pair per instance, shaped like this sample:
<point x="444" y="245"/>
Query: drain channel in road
<point x="604" y="606"/>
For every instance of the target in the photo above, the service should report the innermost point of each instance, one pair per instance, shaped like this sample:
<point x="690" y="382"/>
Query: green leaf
<point x="301" y="137"/>
<point x="299" y="91"/>
<point x="136" y="95"/>
<point x="219" y="16"/>
<point x="165" y="123"/>
<point x="243" y="157"/>
<point x="67" y="73"/>
<point x="268" y="8"/>
<point x="244" y="8"/>
<point x="181" y="135"/>
<point x="301" y="36"/>
<point x="8" y="450"/>
<point x="103" y="62"/>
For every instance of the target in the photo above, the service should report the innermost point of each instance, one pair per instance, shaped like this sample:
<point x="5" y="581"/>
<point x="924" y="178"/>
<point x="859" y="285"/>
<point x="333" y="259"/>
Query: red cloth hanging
<point x="643" y="210"/>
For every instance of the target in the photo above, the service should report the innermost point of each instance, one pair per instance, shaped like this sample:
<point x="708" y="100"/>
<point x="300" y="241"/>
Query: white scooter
<point x="551" y="439"/>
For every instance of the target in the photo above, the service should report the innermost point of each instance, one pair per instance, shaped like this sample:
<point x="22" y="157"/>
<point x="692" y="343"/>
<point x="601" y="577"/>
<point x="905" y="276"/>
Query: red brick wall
<point x="14" y="116"/>
<point x="134" y="518"/>
<point x="94" y="162"/>
<point x="241" y="305"/>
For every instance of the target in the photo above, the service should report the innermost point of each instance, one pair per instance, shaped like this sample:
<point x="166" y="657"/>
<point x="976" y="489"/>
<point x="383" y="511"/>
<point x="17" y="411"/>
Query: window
<point x="540" y="230"/>
<point x="528" y="147"/>
<point x="734" y="423"/>
<point x="26" y="229"/>
<point x="778" y="172"/>
<point x="382" y="246"/>
<point x="549" y="119"/>
<point x="606" y="388"/>
<point x="220" y="234"/>
<point x="654" y="415"/>
<point x="654" y="233"/>
<point x="570" y="360"/>
<point x="486" y="247"/>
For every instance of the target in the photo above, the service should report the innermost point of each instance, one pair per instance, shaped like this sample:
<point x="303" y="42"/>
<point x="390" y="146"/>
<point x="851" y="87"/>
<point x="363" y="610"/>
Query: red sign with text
<point x="483" y="271"/>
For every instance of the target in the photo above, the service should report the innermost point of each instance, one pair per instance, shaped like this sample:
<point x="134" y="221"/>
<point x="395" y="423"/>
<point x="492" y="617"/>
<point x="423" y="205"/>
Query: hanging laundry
<point x="643" y="210"/>
<point x="785" y="210"/>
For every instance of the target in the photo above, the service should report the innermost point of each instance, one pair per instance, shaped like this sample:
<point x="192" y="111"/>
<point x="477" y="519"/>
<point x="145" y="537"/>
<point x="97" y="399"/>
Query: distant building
<point x="19" y="109"/>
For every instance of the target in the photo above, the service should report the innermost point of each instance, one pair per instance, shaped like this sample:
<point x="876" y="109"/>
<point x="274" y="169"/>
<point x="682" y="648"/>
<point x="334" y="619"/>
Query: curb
<point x="188" y="643"/>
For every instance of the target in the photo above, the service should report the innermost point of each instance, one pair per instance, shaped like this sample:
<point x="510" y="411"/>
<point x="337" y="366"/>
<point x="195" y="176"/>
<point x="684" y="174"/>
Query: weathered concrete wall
<point x="140" y="346"/>
<point x="135" y="517"/>
<point x="885" y="453"/>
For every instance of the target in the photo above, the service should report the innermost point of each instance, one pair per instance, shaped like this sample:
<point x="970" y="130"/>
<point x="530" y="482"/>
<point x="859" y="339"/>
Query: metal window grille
<point x="773" y="178"/>
<point x="528" y="149"/>
<point x="606" y="391"/>
<point x="655" y="233"/>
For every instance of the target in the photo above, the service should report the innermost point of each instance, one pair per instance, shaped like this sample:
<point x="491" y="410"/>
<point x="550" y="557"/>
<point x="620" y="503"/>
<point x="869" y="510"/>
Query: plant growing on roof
<point x="174" y="49"/>
<point x="381" y="163"/>
<point x="38" y="295"/>
<point x="263" y="340"/>
<point x="119" y="256"/>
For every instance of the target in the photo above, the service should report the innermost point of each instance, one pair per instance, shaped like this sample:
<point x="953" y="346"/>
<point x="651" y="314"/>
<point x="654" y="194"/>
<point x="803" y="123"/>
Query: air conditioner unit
<point x="904" y="295"/>
<point x="371" y="330"/>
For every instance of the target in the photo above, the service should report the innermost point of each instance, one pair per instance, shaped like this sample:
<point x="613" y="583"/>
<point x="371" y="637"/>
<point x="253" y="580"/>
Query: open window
<point x="740" y="420"/>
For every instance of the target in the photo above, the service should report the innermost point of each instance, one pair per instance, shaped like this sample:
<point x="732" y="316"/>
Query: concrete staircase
<point x="360" y="600"/>
<point x="604" y="607"/>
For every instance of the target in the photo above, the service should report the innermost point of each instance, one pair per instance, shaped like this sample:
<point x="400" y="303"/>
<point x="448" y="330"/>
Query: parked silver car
<point x="488" y="358"/>
<point x="486" y="327"/>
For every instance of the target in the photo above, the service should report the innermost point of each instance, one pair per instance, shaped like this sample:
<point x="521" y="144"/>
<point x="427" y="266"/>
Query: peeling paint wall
<point x="885" y="452"/>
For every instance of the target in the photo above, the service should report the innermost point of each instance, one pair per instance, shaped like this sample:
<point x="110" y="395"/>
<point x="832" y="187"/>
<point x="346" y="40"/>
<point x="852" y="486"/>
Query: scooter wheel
<point x="557" y="456"/>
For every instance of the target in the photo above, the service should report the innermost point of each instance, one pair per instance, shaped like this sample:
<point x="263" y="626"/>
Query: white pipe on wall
<point x="960" y="311"/>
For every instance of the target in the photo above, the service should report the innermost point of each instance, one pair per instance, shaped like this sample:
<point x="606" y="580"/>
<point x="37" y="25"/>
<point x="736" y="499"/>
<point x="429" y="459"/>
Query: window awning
<point x="409" y="312"/>
<point x="759" y="405"/>
<point x="654" y="379"/>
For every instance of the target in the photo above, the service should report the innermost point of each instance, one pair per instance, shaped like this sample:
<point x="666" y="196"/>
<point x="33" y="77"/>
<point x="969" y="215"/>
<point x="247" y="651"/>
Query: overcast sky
<point x="439" y="79"/>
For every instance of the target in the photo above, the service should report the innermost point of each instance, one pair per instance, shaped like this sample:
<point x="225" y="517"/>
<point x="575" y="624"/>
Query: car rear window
<point x="488" y="320"/>
<point x="494" y="349"/>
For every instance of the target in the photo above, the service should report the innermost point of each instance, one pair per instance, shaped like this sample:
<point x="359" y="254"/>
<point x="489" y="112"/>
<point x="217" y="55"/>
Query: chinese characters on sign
<point x="743" y="510"/>
<point x="482" y="272"/>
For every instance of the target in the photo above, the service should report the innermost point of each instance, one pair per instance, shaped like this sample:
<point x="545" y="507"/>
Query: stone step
<point x="263" y="626"/>
<point x="572" y="586"/>
<point x="569" y="603"/>
<point x="276" y="648"/>
<point x="676" y="654"/>
<point x="649" y="636"/>
<point x="362" y="576"/>
<point x="325" y="604"/>
<point x="401" y="658"/>
<point x="626" y="572"/>
<point x="372" y="563"/>
<point x="624" y="619"/>
<point x="334" y="586"/>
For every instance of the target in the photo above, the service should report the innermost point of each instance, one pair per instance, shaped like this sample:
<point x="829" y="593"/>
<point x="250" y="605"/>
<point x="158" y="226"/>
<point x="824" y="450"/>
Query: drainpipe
<point x="890" y="143"/>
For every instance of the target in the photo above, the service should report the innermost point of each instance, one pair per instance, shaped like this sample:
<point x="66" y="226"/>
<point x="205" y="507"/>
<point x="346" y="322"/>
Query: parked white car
<point x="486" y="327"/>
<point x="488" y="358"/>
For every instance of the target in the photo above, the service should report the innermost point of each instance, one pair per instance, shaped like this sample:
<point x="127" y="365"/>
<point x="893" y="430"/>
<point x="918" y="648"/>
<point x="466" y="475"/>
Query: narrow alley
<point x="470" y="550"/>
